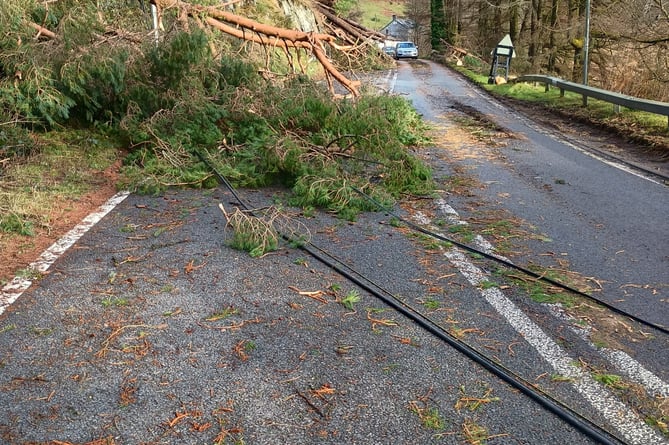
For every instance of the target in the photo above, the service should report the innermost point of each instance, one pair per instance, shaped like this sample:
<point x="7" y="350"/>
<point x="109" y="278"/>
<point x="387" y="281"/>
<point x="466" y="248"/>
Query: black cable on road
<point x="566" y="414"/>
<point x="511" y="265"/>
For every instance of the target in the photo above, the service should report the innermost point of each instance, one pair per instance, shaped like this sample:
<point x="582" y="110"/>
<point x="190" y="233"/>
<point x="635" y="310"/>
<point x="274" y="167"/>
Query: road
<point x="611" y="223"/>
<point x="150" y="329"/>
<point x="602" y="221"/>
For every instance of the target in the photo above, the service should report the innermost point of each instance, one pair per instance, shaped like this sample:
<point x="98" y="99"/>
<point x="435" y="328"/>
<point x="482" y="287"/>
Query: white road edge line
<point x="634" y="370"/>
<point x="13" y="290"/>
<point x="633" y="428"/>
<point x="562" y="140"/>
<point x="622" y="361"/>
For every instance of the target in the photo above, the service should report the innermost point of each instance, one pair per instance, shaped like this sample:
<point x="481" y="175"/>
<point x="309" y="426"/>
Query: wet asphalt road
<point x="611" y="224"/>
<point x="152" y="330"/>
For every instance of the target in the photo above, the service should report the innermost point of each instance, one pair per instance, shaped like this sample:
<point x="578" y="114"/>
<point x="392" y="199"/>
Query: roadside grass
<point x="377" y="14"/>
<point x="63" y="166"/>
<point x="552" y="98"/>
<point x="641" y="124"/>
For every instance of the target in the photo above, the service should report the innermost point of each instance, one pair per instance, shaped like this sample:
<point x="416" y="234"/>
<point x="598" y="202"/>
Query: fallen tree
<point x="347" y="29"/>
<point x="266" y="35"/>
<point x="346" y="36"/>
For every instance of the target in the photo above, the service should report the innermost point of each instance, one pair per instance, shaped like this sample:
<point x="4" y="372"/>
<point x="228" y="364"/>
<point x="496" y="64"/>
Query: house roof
<point x="401" y="22"/>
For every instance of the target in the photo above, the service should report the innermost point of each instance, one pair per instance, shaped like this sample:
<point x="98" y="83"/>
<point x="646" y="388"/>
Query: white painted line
<point x="637" y="373"/>
<point x="630" y="425"/>
<point x="451" y="215"/>
<point x="620" y="416"/>
<point x="559" y="138"/>
<point x="13" y="290"/>
<point x="626" y="364"/>
<point x="486" y="247"/>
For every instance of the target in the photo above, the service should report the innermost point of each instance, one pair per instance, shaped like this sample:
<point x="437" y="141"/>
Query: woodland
<point x="628" y="46"/>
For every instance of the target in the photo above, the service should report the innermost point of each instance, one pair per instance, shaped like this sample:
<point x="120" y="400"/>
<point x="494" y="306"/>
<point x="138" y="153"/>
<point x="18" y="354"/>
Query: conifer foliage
<point x="245" y="102"/>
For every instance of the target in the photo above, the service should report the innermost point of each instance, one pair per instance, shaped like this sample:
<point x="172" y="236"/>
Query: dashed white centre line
<point x="616" y="413"/>
<point x="627" y="422"/>
<point x="13" y="290"/>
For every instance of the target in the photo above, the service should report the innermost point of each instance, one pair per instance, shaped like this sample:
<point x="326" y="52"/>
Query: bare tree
<point x="629" y="43"/>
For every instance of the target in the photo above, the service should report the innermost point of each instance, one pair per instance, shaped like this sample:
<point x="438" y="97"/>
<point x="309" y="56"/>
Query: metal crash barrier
<point x="617" y="99"/>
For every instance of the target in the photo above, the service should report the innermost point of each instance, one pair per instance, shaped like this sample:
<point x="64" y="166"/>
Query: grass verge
<point x="640" y="126"/>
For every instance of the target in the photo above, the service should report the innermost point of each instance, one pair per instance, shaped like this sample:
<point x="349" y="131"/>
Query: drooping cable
<point x="563" y="412"/>
<point x="512" y="265"/>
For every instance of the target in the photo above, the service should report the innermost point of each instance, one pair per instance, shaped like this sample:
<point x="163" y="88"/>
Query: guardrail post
<point x="561" y="92"/>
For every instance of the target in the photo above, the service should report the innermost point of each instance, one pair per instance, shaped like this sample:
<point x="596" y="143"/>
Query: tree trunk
<point x="513" y="23"/>
<point x="535" y="34"/>
<point x="268" y="35"/>
<point x="552" y="36"/>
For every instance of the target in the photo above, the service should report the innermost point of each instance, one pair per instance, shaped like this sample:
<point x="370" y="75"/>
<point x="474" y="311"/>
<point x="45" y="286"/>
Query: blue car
<point x="406" y="49"/>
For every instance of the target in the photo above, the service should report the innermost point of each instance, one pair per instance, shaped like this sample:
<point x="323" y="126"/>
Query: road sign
<point x="501" y="59"/>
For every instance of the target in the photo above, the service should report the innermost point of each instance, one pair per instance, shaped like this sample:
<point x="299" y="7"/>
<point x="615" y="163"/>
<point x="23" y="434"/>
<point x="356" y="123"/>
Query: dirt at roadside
<point x="615" y="137"/>
<point x="17" y="252"/>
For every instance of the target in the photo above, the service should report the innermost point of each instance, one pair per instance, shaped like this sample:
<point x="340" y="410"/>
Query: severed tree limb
<point x="351" y="85"/>
<point x="361" y="31"/>
<point x="351" y="28"/>
<point x="268" y="35"/>
<point x="42" y="31"/>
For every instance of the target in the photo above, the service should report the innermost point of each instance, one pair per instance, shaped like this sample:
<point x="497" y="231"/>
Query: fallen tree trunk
<point x="250" y="30"/>
<point x="341" y="23"/>
<point x="42" y="31"/>
<point x="347" y="25"/>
